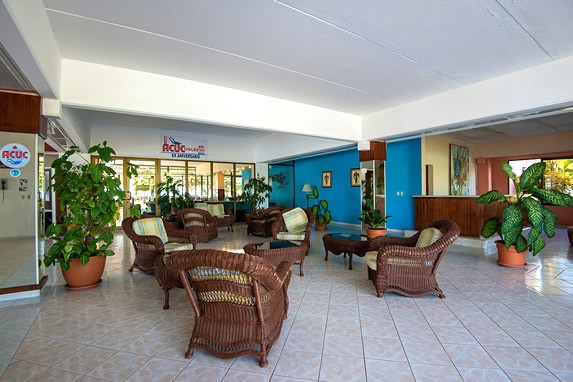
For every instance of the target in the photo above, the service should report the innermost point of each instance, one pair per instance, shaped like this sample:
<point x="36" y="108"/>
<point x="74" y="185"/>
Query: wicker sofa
<point x="225" y="217"/>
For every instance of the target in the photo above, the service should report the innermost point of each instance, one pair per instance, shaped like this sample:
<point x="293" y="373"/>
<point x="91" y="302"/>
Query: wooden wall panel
<point x="468" y="214"/>
<point x="377" y="152"/>
<point x="20" y="112"/>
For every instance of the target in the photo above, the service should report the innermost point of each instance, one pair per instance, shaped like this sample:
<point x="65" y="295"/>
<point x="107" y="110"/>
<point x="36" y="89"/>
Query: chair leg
<point x="189" y="352"/>
<point x="166" y="303"/>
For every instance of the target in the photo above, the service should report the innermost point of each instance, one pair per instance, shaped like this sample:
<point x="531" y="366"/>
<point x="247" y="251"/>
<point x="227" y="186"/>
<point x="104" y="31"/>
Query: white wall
<point x="139" y="142"/>
<point x="540" y="144"/>
<point x="18" y="208"/>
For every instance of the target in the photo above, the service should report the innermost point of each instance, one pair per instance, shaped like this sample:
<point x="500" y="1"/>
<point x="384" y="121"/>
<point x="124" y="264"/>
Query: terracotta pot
<point x="570" y="234"/>
<point x="84" y="276"/>
<point x="374" y="232"/>
<point x="320" y="227"/>
<point x="509" y="257"/>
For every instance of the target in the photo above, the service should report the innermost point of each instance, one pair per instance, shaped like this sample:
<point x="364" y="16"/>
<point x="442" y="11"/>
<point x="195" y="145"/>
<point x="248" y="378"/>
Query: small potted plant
<point x="524" y="210"/>
<point x="90" y="195"/>
<point x="374" y="219"/>
<point x="320" y="211"/>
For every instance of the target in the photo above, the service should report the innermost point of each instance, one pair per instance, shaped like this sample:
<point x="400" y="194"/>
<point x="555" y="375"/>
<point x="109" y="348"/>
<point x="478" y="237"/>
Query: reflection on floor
<point x="17" y="262"/>
<point x="496" y="324"/>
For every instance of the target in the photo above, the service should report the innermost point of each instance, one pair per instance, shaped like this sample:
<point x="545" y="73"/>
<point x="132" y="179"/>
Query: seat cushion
<point x="300" y="235"/>
<point x="150" y="227"/>
<point x="370" y="258"/>
<point x="216" y="209"/>
<point x="172" y="247"/>
<point x="295" y="220"/>
<point x="428" y="237"/>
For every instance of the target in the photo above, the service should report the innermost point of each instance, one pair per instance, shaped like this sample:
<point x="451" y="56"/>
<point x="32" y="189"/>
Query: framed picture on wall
<point x="459" y="167"/>
<point x="327" y="179"/>
<point x="355" y="177"/>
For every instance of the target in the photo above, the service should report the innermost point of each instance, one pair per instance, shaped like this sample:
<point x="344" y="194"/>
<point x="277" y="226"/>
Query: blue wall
<point x="403" y="174"/>
<point x="343" y="200"/>
<point x="283" y="192"/>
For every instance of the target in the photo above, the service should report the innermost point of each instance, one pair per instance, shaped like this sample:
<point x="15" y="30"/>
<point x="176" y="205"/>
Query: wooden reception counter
<point x="464" y="210"/>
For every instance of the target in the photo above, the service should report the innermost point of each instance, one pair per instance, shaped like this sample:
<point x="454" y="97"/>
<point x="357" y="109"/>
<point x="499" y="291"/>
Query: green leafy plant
<point x="90" y="195"/>
<point x="320" y="209"/>
<point x="371" y="216"/>
<point x="255" y="192"/>
<point x="526" y="209"/>
<point x="170" y="199"/>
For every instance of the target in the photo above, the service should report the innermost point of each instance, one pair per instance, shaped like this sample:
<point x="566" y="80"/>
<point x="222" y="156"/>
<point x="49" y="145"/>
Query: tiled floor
<point x="496" y="324"/>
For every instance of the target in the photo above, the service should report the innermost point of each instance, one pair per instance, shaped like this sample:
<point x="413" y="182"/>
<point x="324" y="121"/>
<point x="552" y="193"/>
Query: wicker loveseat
<point x="239" y="301"/>
<point x="225" y="217"/>
<point x="200" y="222"/>
<point x="261" y="224"/>
<point x="408" y="265"/>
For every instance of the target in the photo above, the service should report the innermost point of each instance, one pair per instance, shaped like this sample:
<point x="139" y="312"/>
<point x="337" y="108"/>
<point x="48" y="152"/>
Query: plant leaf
<point x="491" y="196"/>
<point x="508" y="171"/>
<point x="549" y="222"/>
<point x="511" y="224"/>
<point x="531" y="178"/>
<point x="490" y="227"/>
<point x="534" y="211"/>
<point x="538" y="245"/>
<point x="554" y="197"/>
<point x="521" y="244"/>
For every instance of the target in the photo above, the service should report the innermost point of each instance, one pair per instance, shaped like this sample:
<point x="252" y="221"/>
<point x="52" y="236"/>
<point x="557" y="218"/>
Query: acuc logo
<point x="15" y="155"/>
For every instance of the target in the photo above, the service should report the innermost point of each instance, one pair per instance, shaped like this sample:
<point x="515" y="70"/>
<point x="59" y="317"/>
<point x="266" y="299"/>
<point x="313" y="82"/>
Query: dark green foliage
<point x="90" y="195"/>
<point x="255" y="192"/>
<point x="525" y="210"/>
<point x="320" y="209"/>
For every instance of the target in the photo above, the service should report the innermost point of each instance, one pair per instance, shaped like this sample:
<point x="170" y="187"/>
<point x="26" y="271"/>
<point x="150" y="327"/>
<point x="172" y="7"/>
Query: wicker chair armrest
<point x="420" y="253"/>
<point x="182" y="236"/>
<point x="382" y="241"/>
<point x="283" y="270"/>
<point x="150" y="239"/>
<point x="278" y="226"/>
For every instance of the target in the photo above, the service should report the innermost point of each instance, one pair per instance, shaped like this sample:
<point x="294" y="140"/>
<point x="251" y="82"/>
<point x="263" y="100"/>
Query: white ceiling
<point x="354" y="57"/>
<point x="343" y="55"/>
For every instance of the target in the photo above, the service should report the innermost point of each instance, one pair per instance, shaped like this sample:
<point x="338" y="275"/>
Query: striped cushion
<point x="216" y="209"/>
<point x="150" y="227"/>
<point x="202" y="206"/>
<point x="300" y="235"/>
<point x="295" y="220"/>
<point x="172" y="247"/>
<point x="428" y="237"/>
<point x="372" y="256"/>
<point x="196" y="222"/>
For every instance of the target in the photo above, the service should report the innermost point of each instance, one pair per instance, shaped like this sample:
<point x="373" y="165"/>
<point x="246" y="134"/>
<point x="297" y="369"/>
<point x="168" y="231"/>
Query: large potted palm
<point x="90" y="195"/>
<point x="525" y="210"/>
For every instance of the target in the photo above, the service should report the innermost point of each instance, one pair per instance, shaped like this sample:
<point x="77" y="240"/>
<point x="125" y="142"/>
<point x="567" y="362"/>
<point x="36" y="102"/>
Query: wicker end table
<point x="345" y="243"/>
<point x="278" y="251"/>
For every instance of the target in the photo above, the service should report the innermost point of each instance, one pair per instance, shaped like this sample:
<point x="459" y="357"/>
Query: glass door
<point x="142" y="187"/>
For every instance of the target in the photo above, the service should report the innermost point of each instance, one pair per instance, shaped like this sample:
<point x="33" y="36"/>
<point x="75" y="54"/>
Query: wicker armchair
<point x="239" y="301"/>
<point x="261" y="224"/>
<point x="200" y="222"/>
<point x="152" y="238"/>
<point x="225" y="217"/>
<point x="406" y="266"/>
<point x="298" y="232"/>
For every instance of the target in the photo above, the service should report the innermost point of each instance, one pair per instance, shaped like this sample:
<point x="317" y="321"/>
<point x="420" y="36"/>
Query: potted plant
<point x="255" y="192"/>
<point x="320" y="211"/>
<point x="168" y="194"/>
<point x="90" y="195"/>
<point x="525" y="209"/>
<point x="373" y="218"/>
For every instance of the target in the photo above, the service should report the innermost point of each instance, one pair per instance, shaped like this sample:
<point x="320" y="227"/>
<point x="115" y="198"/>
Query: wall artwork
<point x="327" y="179"/>
<point x="459" y="168"/>
<point x="355" y="177"/>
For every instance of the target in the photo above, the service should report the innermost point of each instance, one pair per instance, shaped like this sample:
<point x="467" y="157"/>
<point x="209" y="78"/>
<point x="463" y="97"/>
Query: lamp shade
<point x="307" y="188"/>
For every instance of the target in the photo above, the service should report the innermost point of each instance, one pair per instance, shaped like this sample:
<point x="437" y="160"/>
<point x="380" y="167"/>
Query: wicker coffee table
<point x="345" y="243"/>
<point x="278" y="251"/>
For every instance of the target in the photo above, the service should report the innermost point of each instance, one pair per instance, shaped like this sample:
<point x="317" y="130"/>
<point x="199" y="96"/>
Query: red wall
<point x="490" y="174"/>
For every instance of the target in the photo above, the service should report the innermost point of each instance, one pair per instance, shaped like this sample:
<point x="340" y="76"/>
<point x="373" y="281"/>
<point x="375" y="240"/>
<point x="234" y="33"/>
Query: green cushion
<point x="150" y="227"/>
<point x="301" y="235"/>
<point x="216" y="209"/>
<point x="428" y="237"/>
<point x="295" y="220"/>
<point x="370" y="258"/>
